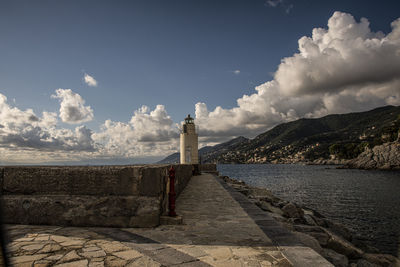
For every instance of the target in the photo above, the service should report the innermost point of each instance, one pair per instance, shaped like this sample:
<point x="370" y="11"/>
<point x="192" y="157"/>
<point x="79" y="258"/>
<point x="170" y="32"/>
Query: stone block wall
<point x="118" y="196"/>
<point x="209" y="168"/>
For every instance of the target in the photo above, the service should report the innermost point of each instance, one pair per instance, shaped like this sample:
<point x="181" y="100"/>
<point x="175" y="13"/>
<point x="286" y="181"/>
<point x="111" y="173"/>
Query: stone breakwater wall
<point x="209" y="168"/>
<point x="112" y="196"/>
<point x="331" y="240"/>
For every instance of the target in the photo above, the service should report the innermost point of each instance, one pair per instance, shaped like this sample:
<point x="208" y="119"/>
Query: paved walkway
<point x="221" y="228"/>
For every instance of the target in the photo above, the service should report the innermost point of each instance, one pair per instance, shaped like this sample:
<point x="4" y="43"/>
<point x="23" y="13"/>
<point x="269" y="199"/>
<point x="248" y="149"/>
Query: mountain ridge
<point x="332" y="137"/>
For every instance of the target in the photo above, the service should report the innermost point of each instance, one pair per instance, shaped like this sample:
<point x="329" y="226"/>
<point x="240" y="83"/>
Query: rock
<point x="336" y="259"/>
<point x="307" y="228"/>
<point x="280" y="203"/>
<point x="296" y="220"/>
<point x="260" y="192"/>
<point x="290" y="210"/>
<point x="363" y="246"/>
<point x="309" y="241"/>
<point x="365" y="263"/>
<point x="245" y="191"/>
<point x="316" y="214"/>
<point x="309" y="220"/>
<point x="315" y="231"/>
<point x="343" y="246"/>
<point x="272" y="199"/>
<point x="277" y="217"/>
<point x="382" y="259"/>
<point x="385" y="156"/>
<point x="268" y="207"/>
<point x="263" y="194"/>
<point x="319" y="221"/>
<point x="321" y="237"/>
<point x="338" y="229"/>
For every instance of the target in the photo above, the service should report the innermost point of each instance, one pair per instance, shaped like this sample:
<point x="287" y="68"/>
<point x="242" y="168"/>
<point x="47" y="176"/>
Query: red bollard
<point x="172" y="193"/>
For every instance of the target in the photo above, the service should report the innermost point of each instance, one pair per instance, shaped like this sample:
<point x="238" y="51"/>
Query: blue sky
<point x="171" y="53"/>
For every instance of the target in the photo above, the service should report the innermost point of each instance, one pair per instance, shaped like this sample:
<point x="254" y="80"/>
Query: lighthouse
<point x="189" y="142"/>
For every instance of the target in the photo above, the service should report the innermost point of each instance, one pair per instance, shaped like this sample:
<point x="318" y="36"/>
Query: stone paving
<point x="216" y="231"/>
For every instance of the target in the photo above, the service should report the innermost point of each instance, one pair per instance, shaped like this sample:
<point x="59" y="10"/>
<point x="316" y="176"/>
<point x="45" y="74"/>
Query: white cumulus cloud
<point x="72" y="107"/>
<point x="28" y="138"/>
<point x="148" y="133"/>
<point x="90" y="80"/>
<point x="23" y="130"/>
<point x="342" y="68"/>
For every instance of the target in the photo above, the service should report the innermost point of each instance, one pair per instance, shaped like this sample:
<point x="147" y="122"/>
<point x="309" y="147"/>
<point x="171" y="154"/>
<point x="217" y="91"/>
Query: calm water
<point x="367" y="202"/>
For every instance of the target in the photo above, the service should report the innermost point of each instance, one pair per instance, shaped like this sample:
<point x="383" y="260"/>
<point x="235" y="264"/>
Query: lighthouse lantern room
<point x="189" y="142"/>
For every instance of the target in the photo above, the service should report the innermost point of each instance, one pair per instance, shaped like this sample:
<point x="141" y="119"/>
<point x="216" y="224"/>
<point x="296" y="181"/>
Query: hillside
<point x="339" y="136"/>
<point x="210" y="153"/>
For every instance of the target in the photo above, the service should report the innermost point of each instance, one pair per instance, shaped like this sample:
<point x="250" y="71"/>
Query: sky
<point x="109" y="82"/>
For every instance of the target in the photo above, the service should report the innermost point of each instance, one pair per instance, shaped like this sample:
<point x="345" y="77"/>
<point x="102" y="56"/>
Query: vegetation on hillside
<point x="339" y="136"/>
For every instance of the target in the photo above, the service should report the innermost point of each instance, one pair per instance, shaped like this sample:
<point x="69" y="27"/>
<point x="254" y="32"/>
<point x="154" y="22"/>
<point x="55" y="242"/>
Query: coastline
<point x="330" y="239"/>
<point x="380" y="157"/>
<point x="339" y="164"/>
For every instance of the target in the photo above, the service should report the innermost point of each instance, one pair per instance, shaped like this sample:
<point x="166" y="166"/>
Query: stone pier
<point x="220" y="228"/>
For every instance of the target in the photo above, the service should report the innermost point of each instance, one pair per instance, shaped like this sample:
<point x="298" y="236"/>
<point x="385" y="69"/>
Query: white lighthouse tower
<point x="189" y="142"/>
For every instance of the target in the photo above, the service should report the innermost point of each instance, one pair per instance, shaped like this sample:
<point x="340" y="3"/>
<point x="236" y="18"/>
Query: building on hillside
<point x="189" y="142"/>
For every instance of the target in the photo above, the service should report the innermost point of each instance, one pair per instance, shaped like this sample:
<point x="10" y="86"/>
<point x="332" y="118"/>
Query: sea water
<point x="366" y="202"/>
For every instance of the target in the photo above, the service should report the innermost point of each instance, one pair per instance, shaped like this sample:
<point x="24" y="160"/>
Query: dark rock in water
<point x="320" y="221"/>
<point x="365" y="263"/>
<point x="336" y="259"/>
<point x="271" y="199"/>
<point x="290" y="210"/>
<point x="309" y="219"/>
<point x="363" y="246"/>
<point x="264" y="195"/>
<point x="382" y="259"/>
<point x="343" y="247"/>
<point x="317" y="214"/>
<point x="338" y="229"/>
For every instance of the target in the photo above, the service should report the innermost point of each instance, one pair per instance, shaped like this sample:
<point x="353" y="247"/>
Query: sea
<point x="367" y="202"/>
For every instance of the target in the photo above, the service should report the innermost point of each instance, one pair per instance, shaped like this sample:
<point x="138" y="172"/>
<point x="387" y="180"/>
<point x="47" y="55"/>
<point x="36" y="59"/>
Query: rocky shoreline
<point x="320" y="161"/>
<point x="331" y="240"/>
<point x="382" y="157"/>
